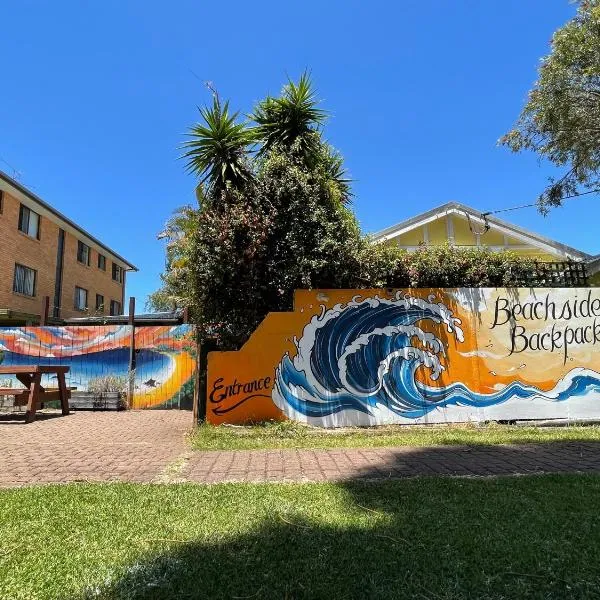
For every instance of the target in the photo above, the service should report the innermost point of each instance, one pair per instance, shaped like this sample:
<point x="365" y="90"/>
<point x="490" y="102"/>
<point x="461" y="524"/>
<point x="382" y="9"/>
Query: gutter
<point x="21" y="188"/>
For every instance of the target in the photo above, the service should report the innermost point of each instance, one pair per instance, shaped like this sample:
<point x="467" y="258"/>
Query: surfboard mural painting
<point x="165" y="358"/>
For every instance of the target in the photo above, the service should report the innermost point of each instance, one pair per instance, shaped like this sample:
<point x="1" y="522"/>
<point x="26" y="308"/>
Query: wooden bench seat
<point x="35" y="394"/>
<point x="21" y="395"/>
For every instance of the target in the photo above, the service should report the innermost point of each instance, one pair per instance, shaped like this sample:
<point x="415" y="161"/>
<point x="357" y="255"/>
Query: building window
<point x="102" y="262"/>
<point x="117" y="273"/>
<point x="1" y="201"/>
<point x="83" y="253"/>
<point x="29" y="222"/>
<point x="99" y="302"/>
<point x="115" y="308"/>
<point x="81" y="302"/>
<point x="24" y="282"/>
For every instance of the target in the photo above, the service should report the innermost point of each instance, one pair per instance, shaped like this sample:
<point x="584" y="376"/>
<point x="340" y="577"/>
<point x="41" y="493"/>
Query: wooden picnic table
<point x="34" y="394"/>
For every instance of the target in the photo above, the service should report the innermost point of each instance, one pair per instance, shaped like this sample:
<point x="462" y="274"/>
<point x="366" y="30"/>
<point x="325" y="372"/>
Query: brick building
<point x="45" y="254"/>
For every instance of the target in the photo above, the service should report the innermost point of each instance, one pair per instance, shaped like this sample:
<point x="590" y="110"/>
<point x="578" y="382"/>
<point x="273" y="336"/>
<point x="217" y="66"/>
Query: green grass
<point x="289" y="434"/>
<point x="432" y="538"/>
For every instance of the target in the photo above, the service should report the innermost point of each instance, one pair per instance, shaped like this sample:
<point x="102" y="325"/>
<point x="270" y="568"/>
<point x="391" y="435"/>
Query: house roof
<point x="593" y="265"/>
<point x="539" y="241"/>
<point x="27" y="192"/>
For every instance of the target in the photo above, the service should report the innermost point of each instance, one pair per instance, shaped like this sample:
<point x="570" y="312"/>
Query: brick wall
<point x="17" y="247"/>
<point x="93" y="279"/>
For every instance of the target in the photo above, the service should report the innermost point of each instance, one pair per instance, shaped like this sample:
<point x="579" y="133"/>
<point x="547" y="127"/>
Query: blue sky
<point x="96" y="97"/>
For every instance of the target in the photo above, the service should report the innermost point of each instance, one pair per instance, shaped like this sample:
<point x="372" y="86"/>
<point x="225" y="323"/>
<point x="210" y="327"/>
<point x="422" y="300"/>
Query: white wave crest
<point x="428" y="339"/>
<point x="424" y="357"/>
<point x="304" y="346"/>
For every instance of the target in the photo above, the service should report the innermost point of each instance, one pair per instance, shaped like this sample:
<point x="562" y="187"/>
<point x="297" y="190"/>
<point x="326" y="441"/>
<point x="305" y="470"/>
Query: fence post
<point x="196" y="408"/>
<point x="131" y="377"/>
<point x="201" y="377"/>
<point x="45" y="311"/>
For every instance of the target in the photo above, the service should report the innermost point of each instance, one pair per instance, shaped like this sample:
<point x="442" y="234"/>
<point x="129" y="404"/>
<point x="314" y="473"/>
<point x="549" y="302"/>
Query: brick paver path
<point x="391" y="463"/>
<point x="91" y="446"/>
<point x="150" y="446"/>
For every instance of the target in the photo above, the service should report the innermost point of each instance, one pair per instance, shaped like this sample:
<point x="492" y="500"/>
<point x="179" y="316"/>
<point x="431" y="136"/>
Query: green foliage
<point x="217" y="151"/>
<point x="266" y="224"/>
<point x="176" y="280"/>
<point x="280" y="220"/>
<point x="561" y="119"/>
<point x="291" y="119"/>
<point x="227" y="281"/>
<point x="287" y="231"/>
<point x="448" y="266"/>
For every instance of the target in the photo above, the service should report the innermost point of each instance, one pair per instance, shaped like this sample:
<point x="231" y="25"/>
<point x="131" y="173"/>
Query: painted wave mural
<point x="376" y="357"/>
<point x="165" y="358"/>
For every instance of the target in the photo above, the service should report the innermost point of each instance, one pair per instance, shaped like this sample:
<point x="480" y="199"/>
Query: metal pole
<point x="131" y="323"/>
<point x="45" y="311"/>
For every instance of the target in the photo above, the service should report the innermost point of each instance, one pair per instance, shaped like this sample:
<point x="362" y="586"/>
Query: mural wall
<point x="365" y="357"/>
<point x="165" y="358"/>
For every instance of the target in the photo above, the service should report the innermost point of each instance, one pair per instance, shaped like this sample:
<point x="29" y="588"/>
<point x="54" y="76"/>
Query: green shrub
<point x="108" y="383"/>
<point x="445" y="266"/>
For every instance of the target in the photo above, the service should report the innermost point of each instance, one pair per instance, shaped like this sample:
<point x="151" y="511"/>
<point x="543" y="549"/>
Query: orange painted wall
<point x="240" y="384"/>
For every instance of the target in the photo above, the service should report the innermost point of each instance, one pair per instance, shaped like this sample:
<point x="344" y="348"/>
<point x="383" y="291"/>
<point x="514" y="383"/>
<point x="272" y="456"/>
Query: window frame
<point x="22" y="209"/>
<point x="100" y="306"/>
<point x="34" y="271"/>
<point x="101" y="258"/>
<point x="117" y="269"/>
<point x="82" y="245"/>
<point x="76" y="296"/>
<point x="117" y="313"/>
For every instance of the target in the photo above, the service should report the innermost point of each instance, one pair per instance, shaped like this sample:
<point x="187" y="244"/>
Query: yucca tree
<point x="218" y="148"/>
<point x="292" y="119"/>
<point x="335" y="171"/>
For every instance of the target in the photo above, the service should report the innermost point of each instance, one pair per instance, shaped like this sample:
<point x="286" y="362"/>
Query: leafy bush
<point x="108" y="383"/>
<point x="274" y="215"/>
<point x="445" y="266"/>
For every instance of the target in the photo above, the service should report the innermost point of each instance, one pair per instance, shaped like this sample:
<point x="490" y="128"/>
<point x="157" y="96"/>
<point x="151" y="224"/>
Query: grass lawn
<point x="289" y="434"/>
<point x="520" y="537"/>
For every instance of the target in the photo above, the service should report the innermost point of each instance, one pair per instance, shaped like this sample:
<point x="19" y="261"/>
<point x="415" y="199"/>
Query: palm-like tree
<point x="293" y="118"/>
<point x="217" y="151"/>
<point x="337" y="174"/>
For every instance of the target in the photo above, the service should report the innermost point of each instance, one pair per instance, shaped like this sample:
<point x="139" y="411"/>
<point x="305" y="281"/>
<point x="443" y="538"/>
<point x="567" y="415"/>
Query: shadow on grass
<point x="527" y="537"/>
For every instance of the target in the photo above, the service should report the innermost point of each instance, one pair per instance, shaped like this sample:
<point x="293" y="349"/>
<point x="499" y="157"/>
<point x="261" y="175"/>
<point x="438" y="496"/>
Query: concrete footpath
<point x="150" y="446"/>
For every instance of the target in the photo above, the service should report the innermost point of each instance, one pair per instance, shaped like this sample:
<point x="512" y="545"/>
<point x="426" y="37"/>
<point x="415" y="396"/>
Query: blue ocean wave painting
<point x="362" y="358"/>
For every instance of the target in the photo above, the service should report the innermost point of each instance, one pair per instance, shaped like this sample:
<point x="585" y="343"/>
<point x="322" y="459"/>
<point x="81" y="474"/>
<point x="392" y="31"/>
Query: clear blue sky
<point x="96" y="97"/>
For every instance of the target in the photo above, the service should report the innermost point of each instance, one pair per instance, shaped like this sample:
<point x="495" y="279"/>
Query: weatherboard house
<point x="461" y="225"/>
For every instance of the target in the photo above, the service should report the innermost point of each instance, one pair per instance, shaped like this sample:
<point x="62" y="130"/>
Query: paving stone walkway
<point x="91" y="446"/>
<point x="150" y="446"/>
<point x="392" y="463"/>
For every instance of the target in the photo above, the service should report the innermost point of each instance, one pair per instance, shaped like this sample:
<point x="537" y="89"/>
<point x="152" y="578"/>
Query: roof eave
<point x="413" y="222"/>
<point x="21" y="188"/>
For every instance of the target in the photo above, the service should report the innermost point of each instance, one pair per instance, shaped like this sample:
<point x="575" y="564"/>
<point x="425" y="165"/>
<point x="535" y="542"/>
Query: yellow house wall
<point x="415" y="237"/>
<point x="437" y="231"/>
<point x="463" y="236"/>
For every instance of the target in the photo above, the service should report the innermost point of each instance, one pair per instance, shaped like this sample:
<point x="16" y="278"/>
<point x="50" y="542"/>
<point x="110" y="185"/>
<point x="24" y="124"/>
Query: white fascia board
<point x="398" y="232"/>
<point x="534" y="243"/>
